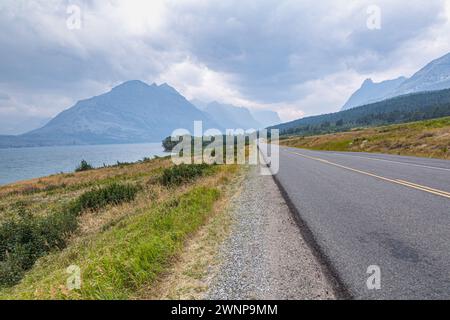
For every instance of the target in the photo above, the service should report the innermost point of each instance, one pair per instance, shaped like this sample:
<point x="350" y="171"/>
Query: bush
<point x="168" y="144"/>
<point x="183" y="173"/>
<point x="26" y="239"/>
<point x="84" y="166"/>
<point x="112" y="194"/>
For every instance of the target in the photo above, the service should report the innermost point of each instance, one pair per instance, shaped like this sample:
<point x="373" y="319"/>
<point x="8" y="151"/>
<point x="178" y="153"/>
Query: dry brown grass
<point x="429" y="138"/>
<point x="41" y="200"/>
<point x="44" y="195"/>
<point x="78" y="179"/>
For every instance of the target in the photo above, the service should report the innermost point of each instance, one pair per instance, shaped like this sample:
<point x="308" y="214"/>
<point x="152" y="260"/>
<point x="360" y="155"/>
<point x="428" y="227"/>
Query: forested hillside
<point x="407" y="108"/>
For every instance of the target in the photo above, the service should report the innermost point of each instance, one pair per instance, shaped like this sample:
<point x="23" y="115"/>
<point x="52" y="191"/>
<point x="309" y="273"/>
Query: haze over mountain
<point x="231" y="116"/>
<point x="23" y="125"/>
<point x="266" y="117"/>
<point x="201" y="105"/>
<point x="434" y="76"/>
<point x="131" y="112"/>
<point x="405" y="108"/>
<point x="371" y="92"/>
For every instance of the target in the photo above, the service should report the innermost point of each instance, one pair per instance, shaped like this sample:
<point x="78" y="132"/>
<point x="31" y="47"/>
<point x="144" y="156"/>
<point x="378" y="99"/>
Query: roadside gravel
<point x="265" y="256"/>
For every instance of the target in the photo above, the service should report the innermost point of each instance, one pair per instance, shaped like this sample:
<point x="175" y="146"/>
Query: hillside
<point x="130" y="113"/>
<point x="413" y="107"/>
<point x="123" y="226"/>
<point x="430" y="138"/>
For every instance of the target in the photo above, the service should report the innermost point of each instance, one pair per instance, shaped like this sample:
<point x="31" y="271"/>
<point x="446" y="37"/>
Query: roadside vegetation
<point x="84" y="166"/>
<point x="430" y="138"/>
<point x="123" y="226"/>
<point x="407" y="108"/>
<point x="183" y="173"/>
<point x="27" y="238"/>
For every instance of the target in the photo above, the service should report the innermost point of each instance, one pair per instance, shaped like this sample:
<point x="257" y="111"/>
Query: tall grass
<point x="130" y="255"/>
<point x="24" y="240"/>
<point x="183" y="173"/>
<point x="423" y="138"/>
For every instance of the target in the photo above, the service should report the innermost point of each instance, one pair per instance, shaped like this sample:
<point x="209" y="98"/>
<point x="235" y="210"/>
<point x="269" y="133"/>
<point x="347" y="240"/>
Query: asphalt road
<point x="372" y="209"/>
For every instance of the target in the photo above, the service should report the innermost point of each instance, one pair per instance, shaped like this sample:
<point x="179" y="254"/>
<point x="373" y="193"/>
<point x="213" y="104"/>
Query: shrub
<point x="84" y="166"/>
<point x="183" y="173"/>
<point x="26" y="239"/>
<point x="168" y="144"/>
<point x="112" y="194"/>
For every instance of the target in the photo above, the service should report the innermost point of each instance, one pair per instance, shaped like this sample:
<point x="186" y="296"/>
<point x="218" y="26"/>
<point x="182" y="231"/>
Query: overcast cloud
<point x="295" y="57"/>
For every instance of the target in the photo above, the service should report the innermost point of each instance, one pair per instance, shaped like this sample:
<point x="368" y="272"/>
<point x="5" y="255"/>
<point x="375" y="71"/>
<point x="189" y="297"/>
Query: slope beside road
<point x="378" y="210"/>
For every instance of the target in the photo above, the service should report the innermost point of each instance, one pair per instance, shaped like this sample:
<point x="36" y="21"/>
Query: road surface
<point x="375" y="210"/>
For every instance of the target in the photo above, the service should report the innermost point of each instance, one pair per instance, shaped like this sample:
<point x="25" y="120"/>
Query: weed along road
<point x="373" y="212"/>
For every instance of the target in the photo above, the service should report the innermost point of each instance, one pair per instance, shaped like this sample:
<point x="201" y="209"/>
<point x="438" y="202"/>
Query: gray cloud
<point x="296" y="56"/>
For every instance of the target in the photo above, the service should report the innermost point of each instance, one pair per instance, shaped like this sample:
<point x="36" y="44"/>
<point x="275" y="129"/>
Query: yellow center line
<point x="431" y="189"/>
<point x="437" y="192"/>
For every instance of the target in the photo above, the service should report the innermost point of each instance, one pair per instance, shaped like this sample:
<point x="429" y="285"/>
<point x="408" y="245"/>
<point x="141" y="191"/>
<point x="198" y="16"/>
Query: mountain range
<point x="434" y="76"/>
<point x="405" y="108"/>
<point x="231" y="116"/>
<point x="132" y="112"/>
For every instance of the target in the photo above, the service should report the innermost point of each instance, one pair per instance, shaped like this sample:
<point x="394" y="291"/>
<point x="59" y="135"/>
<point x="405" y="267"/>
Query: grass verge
<point x="24" y="240"/>
<point x="128" y="226"/>
<point x="430" y="138"/>
<point x="125" y="257"/>
<point x="190" y="276"/>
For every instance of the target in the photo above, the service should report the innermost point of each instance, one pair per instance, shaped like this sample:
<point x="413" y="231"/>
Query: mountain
<point x="434" y="76"/>
<point x="266" y="117"/>
<point x="231" y="117"/>
<point x="201" y="105"/>
<point x="131" y="112"/>
<point x="405" y="108"/>
<point x="372" y="92"/>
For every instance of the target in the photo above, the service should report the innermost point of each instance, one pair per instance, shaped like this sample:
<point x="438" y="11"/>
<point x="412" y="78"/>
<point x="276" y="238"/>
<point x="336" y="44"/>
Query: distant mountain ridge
<point x="230" y="116"/>
<point x="372" y="92"/>
<point x="131" y="112"/>
<point x="266" y="117"/>
<point x="401" y="109"/>
<point x="434" y="76"/>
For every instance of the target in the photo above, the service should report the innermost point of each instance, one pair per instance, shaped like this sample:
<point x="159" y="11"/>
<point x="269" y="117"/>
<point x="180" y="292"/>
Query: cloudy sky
<point x="296" y="57"/>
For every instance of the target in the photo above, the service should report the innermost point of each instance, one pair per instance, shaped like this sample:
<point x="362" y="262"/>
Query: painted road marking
<point x="392" y="161"/>
<point x="418" y="185"/>
<point x="437" y="192"/>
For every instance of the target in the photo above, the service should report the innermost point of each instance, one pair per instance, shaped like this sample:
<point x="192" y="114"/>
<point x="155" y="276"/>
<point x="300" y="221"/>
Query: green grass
<point x="26" y="239"/>
<point x="429" y="138"/>
<point x="183" y="173"/>
<point x="131" y="254"/>
<point x="334" y="145"/>
<point x="112" y="194"/>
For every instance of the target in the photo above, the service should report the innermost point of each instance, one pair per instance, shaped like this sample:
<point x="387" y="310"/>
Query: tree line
<point x="407" y="108"/>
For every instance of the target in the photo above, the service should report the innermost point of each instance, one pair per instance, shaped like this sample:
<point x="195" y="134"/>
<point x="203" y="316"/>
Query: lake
<point x="27" y="163"/>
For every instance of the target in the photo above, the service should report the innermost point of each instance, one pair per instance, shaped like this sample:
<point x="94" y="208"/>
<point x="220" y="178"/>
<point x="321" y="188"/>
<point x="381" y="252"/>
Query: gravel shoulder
<point x="265" y="255"/>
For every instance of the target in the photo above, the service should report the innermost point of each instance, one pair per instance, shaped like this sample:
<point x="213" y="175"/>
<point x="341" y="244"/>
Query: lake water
<point x="26" y="163"/>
